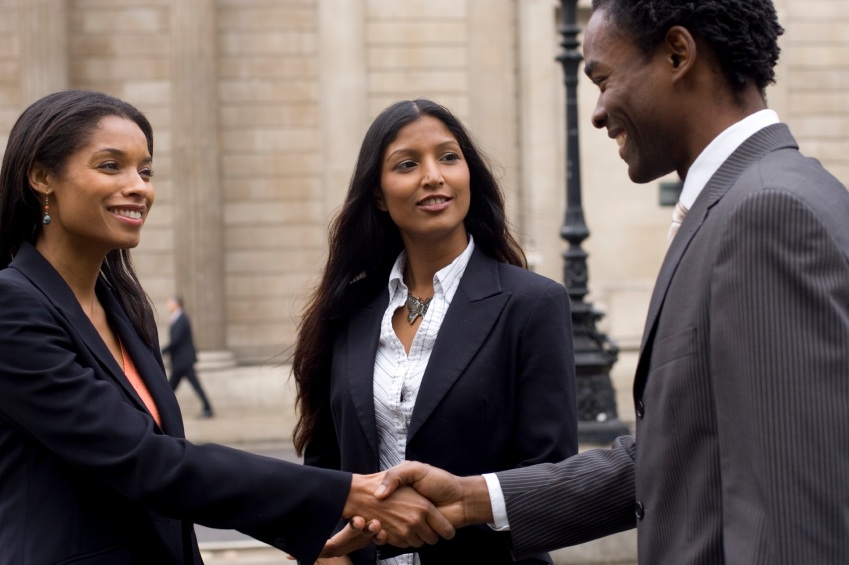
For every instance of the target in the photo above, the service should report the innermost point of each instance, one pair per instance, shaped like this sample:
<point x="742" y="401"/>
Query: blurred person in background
<point x="181" y="349"/>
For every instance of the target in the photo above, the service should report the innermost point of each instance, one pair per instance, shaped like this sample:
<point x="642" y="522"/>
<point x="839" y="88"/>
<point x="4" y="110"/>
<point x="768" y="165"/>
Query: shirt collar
<point x="445" y="278"/>
<point x="719" y="150"/>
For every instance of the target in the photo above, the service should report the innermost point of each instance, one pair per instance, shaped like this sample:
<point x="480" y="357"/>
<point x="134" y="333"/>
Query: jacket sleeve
<point x="80" y="415"/>
<point x="779" y="340"/>
<point x="584" y="497"/>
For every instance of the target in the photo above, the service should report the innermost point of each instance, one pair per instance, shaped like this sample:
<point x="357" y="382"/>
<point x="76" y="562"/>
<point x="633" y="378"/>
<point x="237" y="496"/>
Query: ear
<point x="681" y="52"/>
<point x="39" y="178"/>
<point x="379" y="202"/>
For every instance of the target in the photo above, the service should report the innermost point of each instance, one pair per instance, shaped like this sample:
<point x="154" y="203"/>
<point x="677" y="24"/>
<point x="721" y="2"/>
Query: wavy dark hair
<point x="743" y="34"/>
<point x="47" y="133"/>
<point x="364" y="243"/>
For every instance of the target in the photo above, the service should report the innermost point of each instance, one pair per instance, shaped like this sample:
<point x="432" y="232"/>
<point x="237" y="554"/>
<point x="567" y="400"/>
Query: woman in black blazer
<point x="427" y="339"/>
<point x="94" y="467"/>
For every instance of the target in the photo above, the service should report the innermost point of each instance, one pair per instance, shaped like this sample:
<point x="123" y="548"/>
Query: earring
<point x="47" y="219"/>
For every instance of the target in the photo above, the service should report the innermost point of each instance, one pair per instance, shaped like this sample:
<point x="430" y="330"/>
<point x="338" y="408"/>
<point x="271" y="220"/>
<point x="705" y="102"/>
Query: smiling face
<point x="101" y="197"/>
<point x="635" y="101"/>
<point x="425" y="184"/>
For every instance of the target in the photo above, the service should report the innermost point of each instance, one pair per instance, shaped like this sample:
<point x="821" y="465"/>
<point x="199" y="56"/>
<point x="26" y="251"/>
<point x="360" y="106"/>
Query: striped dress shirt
<point x="398" y="375"/>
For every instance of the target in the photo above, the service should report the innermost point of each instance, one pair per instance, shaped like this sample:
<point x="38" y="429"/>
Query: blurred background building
<point x="259" y="107"/>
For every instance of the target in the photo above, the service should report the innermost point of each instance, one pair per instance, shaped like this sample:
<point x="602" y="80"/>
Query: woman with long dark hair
<point x="95" y="468"/>
<point x="427" y="338"/>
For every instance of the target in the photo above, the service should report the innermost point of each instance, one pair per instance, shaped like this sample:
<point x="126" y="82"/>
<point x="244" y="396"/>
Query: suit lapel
<point x="362" y="339"/>
<point x="36" y="268"/>
<point x="147" y="364"/>
<point x="764" y="141"/>
<point x="473" y="312"/>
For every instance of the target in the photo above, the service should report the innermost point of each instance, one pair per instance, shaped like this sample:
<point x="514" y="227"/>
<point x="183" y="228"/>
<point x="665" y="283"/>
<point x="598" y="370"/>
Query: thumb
<point x="404" y="474"/>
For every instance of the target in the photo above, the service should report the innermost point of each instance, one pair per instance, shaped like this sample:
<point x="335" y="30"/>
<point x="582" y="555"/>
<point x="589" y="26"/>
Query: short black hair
<point x="743" y="34"/>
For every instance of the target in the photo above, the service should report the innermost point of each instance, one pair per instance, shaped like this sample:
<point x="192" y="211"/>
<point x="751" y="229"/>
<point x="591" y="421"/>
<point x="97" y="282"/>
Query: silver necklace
<point x="416" y="307"/>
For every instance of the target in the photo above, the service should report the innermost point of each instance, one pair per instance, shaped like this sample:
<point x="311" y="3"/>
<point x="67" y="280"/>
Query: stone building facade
<point x="259" y="107"/>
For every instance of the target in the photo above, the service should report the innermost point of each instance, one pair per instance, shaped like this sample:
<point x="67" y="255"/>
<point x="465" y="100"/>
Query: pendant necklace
<point x="416" y="307"/>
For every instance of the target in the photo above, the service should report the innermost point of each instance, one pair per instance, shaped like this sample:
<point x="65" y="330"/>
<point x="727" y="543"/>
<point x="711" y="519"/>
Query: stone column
<point x="493" y="94"/>
<point x="541" y="135"/>
<point x="343" y="94"/>
<point x="44" y="48"/>
<point x="198" y="200"/>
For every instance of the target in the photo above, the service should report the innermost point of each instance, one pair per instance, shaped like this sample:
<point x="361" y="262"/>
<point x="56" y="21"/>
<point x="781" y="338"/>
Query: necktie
<point x="677" y="217"/>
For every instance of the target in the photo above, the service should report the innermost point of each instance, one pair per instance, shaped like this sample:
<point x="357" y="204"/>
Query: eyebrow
<point x="442" y="145"/>
<point x="121" y="153"/>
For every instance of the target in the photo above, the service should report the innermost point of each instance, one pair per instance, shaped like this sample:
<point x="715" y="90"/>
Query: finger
<point x="407" y="538"/>
<point x="337" y="545"/>
<point x="440" y="525"/>
<point x="406" y="473"/>
<point x="381" y="537"/>
<point x="357" y="534"/>
<point x="373" y="527"/>
<point x="436" y="526"/>
<point x="427" y="535"/>
<point x="414" y="540"/>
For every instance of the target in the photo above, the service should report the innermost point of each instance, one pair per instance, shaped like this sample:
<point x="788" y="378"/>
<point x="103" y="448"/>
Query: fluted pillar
<point x="44" y="48"/>
<point x="198" y="202"/>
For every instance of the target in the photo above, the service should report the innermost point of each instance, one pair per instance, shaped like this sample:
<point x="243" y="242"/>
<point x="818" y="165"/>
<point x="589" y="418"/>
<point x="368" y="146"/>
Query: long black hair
<point x="47" y="133"/>
<point x="364" y="243"/>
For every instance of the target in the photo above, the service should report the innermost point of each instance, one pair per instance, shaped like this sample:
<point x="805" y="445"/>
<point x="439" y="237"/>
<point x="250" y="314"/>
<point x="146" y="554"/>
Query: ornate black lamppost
<point x="595" y="353"/>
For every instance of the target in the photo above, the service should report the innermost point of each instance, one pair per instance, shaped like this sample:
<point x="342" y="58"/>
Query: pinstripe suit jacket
<point x="741" y="390"/>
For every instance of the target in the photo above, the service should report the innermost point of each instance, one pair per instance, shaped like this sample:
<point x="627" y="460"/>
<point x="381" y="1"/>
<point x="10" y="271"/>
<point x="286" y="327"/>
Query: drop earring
<point x="46" y="219"/>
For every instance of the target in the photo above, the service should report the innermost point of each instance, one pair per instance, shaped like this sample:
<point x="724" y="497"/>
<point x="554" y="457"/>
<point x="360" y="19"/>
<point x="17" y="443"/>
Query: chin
<point x="642" y="176"/>
<point x="128" y="244"/>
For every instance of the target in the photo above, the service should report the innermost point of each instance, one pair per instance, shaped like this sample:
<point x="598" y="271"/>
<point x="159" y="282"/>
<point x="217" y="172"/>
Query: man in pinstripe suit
<point x="742" y="387"/>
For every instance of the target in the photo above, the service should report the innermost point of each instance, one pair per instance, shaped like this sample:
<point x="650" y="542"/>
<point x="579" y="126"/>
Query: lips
<point x="434" y="200"/>
<point x="127" y="213"/>
<point x="621" y="138"/>
<point x="434" y="203"/>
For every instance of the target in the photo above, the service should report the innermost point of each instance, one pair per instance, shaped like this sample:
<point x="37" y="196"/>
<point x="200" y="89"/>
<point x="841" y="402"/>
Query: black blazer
<point x="181" y="345"/>
<point x="498" y="392"/>
<point x="87" y="476"/>
<point x="741" y="389"/>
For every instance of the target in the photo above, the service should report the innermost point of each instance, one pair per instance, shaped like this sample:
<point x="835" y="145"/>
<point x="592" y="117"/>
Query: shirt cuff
<point x="499" y="506"/>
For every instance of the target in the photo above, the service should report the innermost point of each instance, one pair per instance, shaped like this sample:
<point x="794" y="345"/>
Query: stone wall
<point x="256" y="136"/>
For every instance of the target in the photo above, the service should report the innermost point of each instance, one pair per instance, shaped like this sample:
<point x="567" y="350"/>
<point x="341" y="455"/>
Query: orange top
<point x="138" y="384"/>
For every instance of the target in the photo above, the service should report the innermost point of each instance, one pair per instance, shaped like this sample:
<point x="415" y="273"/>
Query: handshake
<point x="409" y="505"/>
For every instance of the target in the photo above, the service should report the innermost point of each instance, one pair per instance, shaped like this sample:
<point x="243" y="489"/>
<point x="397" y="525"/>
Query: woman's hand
<point x="356" y="535"/>
<point x="344" y="560"/>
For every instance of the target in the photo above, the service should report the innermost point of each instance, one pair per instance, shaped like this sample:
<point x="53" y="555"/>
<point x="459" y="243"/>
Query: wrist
<point x="477" y="507"/>
<point x="361" y="492"/>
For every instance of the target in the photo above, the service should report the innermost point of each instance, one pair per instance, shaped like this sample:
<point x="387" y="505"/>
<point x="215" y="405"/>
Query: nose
<point x="431" y="173"/>
<point x="599" y="116"/>
<point x="139" y="186"/>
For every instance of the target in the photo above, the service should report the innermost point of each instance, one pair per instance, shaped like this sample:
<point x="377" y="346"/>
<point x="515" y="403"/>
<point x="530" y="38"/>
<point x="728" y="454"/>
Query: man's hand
<point x="463" y="500"/>
<point x="407" y="518"/>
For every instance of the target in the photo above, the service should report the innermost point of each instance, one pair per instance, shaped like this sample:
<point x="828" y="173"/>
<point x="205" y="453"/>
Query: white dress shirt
<point x="398" y="375"/>
<point x="702" y="169"/>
